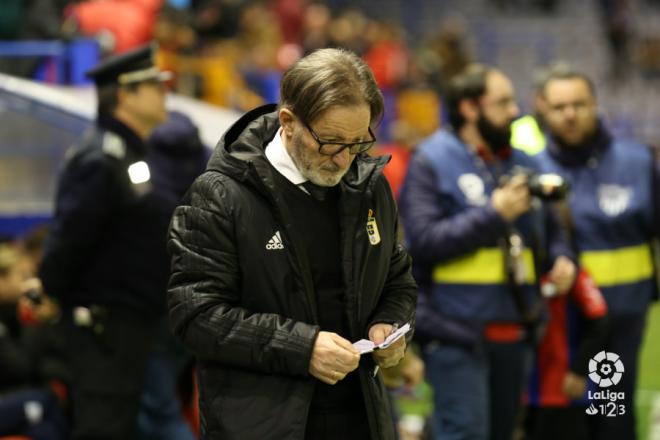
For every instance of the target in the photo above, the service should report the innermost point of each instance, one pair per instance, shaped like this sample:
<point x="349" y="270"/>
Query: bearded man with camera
<point x="480" y="241"/>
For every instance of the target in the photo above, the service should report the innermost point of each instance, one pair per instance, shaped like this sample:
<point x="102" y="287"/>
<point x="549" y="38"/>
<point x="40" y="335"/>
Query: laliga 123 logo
<point x="605" y="370"/>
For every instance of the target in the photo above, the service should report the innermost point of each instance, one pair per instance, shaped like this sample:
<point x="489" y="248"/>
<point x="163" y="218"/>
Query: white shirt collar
<point x="279" y="158"/>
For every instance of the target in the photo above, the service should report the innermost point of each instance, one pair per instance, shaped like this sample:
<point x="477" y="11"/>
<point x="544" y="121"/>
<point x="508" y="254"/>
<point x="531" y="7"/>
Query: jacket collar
<point x="131" y="139"/>
<point x="574" y="156"/>
<point x="240" y="153"/>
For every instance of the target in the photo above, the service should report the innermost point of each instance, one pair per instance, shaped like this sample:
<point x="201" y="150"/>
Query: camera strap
<point x="516" y="271"/>
<point x="512" y="245"/>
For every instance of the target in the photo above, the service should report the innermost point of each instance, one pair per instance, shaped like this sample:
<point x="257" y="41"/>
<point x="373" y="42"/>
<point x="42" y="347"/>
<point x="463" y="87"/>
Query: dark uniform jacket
<point x="248" y="311"/>
<point x="108" y="236"/>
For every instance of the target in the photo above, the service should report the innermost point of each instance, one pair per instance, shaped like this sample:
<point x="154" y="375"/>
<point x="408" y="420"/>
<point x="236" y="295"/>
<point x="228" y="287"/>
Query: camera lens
<point x="548" y="186"/>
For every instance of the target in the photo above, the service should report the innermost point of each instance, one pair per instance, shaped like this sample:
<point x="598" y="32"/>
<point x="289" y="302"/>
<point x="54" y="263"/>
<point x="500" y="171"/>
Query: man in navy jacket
<point x="614" y="209"/>
<point x="478" y="245"/>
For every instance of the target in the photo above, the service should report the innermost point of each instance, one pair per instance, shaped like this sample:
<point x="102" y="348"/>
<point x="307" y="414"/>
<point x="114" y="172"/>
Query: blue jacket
<point x="614" y="202"/>
<point x="453" y="234"/>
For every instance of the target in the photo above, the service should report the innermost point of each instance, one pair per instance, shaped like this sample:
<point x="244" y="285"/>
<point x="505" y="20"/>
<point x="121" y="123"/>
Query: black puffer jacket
<point x="249" y="313"/>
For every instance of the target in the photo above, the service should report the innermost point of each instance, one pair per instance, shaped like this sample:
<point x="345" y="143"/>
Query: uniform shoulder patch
<point x="113" y="145"/>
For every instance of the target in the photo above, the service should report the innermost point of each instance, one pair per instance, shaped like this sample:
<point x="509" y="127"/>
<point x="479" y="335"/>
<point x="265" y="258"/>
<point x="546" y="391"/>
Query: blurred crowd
<point x="232" y="52"/>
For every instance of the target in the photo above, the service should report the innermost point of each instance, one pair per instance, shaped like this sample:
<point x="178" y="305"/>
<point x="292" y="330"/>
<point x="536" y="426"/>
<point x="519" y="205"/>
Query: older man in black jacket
<point x="284" y="252"/>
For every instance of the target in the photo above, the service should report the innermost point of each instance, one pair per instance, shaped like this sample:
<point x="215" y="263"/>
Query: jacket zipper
<point x="293" y="251"/>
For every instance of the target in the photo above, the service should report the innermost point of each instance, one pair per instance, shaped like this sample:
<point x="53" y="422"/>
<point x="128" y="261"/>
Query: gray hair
<point x="327" y="78"/>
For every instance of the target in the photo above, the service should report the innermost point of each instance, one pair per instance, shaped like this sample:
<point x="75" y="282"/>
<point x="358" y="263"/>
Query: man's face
<point x="497" y="109"/>
<point x="570" y="111"/>
<point x="338" y="124"/>
<point x="147" y="103"/>
<point x="11" y="283"/>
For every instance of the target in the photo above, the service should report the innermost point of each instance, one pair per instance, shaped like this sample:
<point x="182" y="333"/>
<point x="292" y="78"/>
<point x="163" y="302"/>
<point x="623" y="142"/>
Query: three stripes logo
<point x="275" y="242"/>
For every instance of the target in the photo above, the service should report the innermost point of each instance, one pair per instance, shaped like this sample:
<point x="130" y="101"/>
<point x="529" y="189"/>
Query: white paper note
<point x="366" y="346"/>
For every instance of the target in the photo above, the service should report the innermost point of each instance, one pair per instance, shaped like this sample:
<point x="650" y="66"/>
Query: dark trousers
<point x="349" y="424"/>
<point x="625" y="339"/>
<point x="108" y="370"/>
<point x="477" y="390"/>
<point x="552" y="423"/>
<point x="160" y="416"/>
<point x="509" y="367"/>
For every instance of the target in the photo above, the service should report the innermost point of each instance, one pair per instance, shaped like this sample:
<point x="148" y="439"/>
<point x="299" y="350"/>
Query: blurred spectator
<point x="404" y="139"/>
<point x="476" y="243"/>
<point x="349" y="31"/>
<point x="217" y="18"/>
<point x="178" y="43"/>
<point x="122" y="25"/>
<point x="402" y="380"/>
<point x="387" y="54"/>
<point x="174" y="30"/>
<point x="417" y="114"/>
<point x="259" y="42"/>
<point x="27" y="405"/>
<point x="103" y="259"/>
<point x="575" y="331"/>
<point x="213" y="75"/>
<point x="528" y="132"/>
<point x="316" y="27"/>
<point x="615" y="213"/>
<point x="446" y="54"/>
<point x="176" y="157"/>
<point x="290" y="14"/>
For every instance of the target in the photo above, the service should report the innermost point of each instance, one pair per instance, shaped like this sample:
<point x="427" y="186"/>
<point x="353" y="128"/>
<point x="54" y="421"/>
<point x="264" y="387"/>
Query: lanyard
<point x="482" y="168"/>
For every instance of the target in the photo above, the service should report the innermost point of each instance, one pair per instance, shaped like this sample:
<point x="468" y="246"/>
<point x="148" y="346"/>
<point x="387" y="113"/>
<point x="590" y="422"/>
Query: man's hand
<point x="512" y="199"/>
<point x="390" y="356"/>
<point x="574" y="385"/>
<point x="333" y="357"/>
<point x="563" y="274"/>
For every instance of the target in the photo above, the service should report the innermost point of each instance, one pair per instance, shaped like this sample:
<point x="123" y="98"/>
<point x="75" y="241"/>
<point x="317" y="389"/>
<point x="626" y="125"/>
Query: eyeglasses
<point x="330" y="148"/>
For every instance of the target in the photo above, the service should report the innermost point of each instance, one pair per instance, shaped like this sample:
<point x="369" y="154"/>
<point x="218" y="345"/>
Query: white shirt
<point x="279" y="158"/>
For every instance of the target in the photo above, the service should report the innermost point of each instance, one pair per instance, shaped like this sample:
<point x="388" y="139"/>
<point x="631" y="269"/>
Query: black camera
<point x="545" y="186"/>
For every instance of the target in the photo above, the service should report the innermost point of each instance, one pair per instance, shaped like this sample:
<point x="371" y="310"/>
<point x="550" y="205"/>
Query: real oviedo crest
<point x="372" y="229"/>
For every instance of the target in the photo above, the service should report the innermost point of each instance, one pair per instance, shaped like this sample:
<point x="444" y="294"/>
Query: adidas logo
<point x="275" y="242"/>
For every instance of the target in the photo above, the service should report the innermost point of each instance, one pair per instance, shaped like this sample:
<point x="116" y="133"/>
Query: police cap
<point x="128" y="68"/>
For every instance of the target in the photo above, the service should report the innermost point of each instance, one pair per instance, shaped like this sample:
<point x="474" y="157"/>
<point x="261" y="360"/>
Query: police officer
<point x="614" y="209"/>
<point x="478" y="247"/>
<point x="99" y="258"/>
